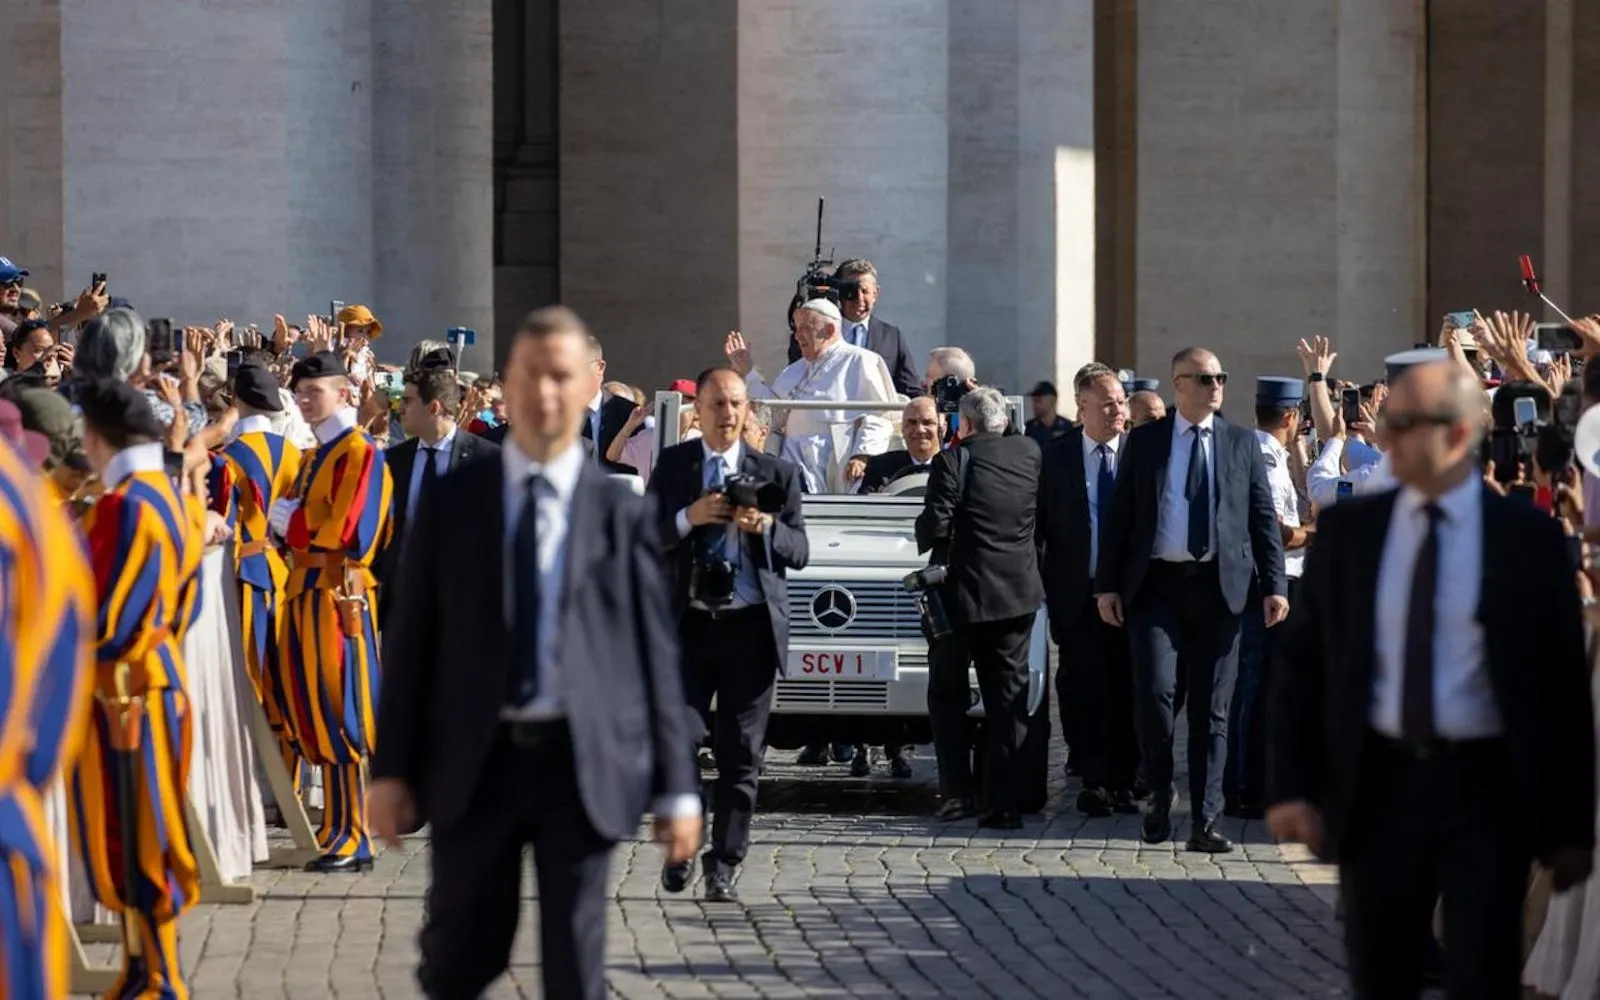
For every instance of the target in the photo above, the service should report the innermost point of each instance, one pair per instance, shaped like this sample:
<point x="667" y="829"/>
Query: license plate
<point x="842" y="664"/>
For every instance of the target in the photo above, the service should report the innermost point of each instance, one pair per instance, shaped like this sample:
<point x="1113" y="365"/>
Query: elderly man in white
<point x="829" y="368"/>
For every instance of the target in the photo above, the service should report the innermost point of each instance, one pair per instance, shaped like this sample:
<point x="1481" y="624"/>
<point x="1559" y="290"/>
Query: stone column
<point x="433" y="156"/>
<point x="650" y="235"/>
<point x="31" y="219"/>
<point x="847" y="101"/>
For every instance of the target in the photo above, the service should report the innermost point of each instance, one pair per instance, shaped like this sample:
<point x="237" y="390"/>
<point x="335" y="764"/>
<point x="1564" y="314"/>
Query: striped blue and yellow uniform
<point x="46" y="622"/>
<point x="330" y="662"/>
<point x="145" y="546"/>
<point x="248" y="476"/>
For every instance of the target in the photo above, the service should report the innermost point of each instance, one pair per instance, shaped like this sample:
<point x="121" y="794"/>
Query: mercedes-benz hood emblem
<point x="833" y="608"/>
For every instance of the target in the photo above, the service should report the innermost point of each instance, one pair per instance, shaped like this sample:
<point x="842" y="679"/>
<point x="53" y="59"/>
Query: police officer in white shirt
<point x="1277" y="423"/>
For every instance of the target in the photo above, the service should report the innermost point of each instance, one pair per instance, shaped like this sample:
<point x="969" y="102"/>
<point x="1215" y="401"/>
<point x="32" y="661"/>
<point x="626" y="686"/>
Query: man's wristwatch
<point x="1316" y="376"/>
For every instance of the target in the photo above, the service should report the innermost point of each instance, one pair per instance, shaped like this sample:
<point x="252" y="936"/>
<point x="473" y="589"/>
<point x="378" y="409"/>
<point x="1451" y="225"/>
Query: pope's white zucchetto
<point x="826" y="308"/>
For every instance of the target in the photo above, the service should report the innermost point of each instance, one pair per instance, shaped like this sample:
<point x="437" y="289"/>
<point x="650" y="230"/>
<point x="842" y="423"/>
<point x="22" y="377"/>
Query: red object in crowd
<point x="1544" y="499"/>
<point x="682" y="386"/>
<point x="477" y="427"/>
<point x="1530" y="278"/>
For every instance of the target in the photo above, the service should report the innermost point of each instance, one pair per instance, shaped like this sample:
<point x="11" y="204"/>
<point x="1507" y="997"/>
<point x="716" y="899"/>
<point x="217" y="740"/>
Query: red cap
<point x="682" y="386"/>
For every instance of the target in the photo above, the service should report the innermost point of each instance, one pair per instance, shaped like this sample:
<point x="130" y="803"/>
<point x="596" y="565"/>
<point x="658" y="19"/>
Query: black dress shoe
<point x="1206" y="839"/>
<point x="899" y="767"/>
<point x="813" y="756"/>
<point x="719" y="888"/>
<point x="1122" y="802"/>
<point x="1157" y="826"/>
<point x="862" y="765"/>
<point x="1094" y="802"/>
<point x="956" y="809"/>
<point x="333" y="864"/>
<point x="1141" y="789"/>
<point x="1006" y="819"/>
<point x="676" y="878"/>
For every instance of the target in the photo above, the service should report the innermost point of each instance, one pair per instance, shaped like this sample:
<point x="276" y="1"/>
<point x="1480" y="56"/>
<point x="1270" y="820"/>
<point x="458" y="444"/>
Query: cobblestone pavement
<point x="851" y="890"/>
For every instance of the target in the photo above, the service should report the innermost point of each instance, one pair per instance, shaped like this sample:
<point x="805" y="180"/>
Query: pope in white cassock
<point x="829" y="368"/>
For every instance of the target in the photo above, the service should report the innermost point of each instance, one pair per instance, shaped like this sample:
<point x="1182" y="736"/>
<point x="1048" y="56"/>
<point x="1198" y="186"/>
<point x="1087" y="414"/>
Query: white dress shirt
<point x="1285" y="498"/>
<point x="554" y="501"/>
<point x="137" y="458"/>
<point x="746" y="585"/>
<point x="255" y="423"/>
<point x="1172" y="527"/>
<point x="843" y="371"/>
<point x="1091" y="475"/>
<point x="1323" y="478"/>
<point x="593" y="416"/>
<point x="1463" y="701"/>
<point x="441" y="465"/>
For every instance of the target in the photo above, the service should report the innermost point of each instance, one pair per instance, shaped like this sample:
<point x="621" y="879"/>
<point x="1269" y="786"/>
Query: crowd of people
<point x="1368" y="601"/>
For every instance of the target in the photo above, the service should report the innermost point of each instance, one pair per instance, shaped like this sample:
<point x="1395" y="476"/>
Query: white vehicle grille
<point x="884" y="610"/>
<point x="856" y="696"/>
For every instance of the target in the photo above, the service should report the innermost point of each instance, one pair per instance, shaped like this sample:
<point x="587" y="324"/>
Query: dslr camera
<point x="947" y="392"/>
<point x="712" y="577"/>
<point x="925" y="583"/>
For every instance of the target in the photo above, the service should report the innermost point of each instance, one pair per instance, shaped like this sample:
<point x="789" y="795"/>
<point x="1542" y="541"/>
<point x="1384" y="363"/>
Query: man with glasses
<point x="1191" y="520"/>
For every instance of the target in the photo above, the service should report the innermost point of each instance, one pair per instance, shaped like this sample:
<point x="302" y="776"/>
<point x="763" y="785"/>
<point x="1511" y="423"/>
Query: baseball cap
<point x="1043" y="389"/>
<point x="683" y="386"/>
<point x="10" y="271"/>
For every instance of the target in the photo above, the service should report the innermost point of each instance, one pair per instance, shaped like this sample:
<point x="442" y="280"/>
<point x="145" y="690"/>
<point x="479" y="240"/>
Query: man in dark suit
<point x="1094" y="687"/>
<point x="919" y="428"/>
<point x="1191" y="521"/>
<point x="863" y="329"/>
<point x="980" y="525"/>
<point x="606" y="413"/>
<point x="1432" y="728"/>
<point x="427" y="405"/>
<point x="732" y="602"/>
<point x="536" y="698"/>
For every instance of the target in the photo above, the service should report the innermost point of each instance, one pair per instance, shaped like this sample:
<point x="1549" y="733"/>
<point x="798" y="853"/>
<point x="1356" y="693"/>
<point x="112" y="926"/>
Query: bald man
<point x="1145" y="407"/>
<point x="919" y="428"/>
<point x="1432" y="730"/>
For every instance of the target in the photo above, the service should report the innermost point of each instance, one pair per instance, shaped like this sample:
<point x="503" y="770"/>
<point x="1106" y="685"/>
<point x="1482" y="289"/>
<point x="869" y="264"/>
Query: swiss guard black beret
<point x="325" y="364"/>
<point x="114" y="405"/>
<point x="439" y="357"/>
<point x="255" y="386"/>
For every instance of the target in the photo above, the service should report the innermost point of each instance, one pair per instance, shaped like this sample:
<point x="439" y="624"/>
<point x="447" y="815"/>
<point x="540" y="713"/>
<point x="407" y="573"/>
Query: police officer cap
<point x="325" y="364"/>
<point x="1395" y="364"/>
<point x="110" y="404"/>
<point x="1274" y="391"/>
<point x="1044" y="389"/>
<point x="1142" y="385"/>
<point x="254" y="386"/>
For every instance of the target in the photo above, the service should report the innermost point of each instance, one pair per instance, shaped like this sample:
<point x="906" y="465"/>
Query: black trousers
<point x="527" y="794"/>
<point x="1246" y="779"/>
<point x="1094" y="688"/>
<point x="734" y="658"/>
<point x="1426" y="828"/>
<point x="998" y="652"/>
<point x="1179" y="612"/>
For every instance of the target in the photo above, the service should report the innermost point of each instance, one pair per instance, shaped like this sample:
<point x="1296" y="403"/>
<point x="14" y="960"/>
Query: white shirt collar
<point x="1458" y="505"/>
<point x="1180" y="425"/>
<point x="139" y="458"/>
<point x="594" y="404"/>
<point x="915" y="461"/>
<point x="445" y="443"/>
<point x="1090" y="445"/>
<point x="341" y="421"/>
<point x="730" y="458"/>
<point x="561" y="472"/>
<point x="255" y="423"/>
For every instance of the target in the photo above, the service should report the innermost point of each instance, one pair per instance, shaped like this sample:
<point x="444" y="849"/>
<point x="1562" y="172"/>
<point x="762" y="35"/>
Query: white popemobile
<point x="858" y="661"/>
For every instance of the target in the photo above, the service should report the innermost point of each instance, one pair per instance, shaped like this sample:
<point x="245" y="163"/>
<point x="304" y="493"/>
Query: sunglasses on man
<point x="1210" y="380"/>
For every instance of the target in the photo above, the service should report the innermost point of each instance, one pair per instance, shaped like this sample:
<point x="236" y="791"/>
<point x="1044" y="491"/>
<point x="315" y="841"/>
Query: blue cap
<point x="10" y="271"/>
<point x="1395" y="364"/>
<point x="119" y="303"/>
<point x="1141" y="385"/>
<point x="1274" y="391"/>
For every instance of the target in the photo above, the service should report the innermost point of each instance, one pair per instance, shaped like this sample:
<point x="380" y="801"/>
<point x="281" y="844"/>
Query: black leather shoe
<point x="1157" y="827"/>
<point x="1007" y="819"/>
<point x="956" y="809"/>
<point x="1141" y="789"/>
<point x="1122" y="802"/>
<point x="862" y="765"/>
<point x="719" y="888"/>
<point x="676" y="878"/>
<point x="813" y="756"/>
<point x="333" y="864"/>
<point x="1206" y="839"/>
<point x="1095" y="802"/>
<point x="899" y="767"/>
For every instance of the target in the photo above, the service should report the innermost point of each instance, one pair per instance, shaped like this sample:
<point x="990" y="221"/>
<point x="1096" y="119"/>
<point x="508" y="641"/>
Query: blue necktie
<point x="1105" y="482"/>
<point x="717" y="542"/>
<point x="1197" y="490"/>
<point x="524" y="681"/>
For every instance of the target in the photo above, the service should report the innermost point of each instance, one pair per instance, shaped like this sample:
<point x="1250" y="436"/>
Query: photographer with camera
<point x="855" y="283"/>
<point x="978" y="522"/>
<point x="732" y="528"/>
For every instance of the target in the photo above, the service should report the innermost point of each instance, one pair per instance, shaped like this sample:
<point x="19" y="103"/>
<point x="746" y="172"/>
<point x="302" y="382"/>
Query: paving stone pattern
<point x="851" y="890"/>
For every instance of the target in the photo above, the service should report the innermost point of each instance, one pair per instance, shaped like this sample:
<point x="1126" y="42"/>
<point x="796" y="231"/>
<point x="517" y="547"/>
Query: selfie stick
<point x="1530" y="281"/>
